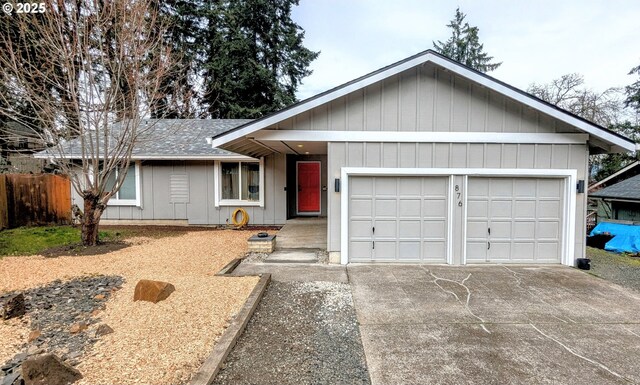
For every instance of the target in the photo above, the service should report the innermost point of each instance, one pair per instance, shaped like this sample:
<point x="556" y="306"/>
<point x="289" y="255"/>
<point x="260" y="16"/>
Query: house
<point x="17" y="144"/>
<point x="620" y="201"/>
<point x="625" y="172"/>
<point x="422" y="161"/>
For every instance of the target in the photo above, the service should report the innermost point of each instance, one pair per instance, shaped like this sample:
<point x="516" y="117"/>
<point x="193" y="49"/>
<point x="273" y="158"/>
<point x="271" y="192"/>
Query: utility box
<point x="259" y="244"/>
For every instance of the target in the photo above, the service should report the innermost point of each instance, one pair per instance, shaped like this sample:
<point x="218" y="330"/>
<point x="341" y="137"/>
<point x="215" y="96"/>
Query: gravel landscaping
<point x="302" y="333"/>
<point x="162" y="343"/>
<point x="618" y="268"/>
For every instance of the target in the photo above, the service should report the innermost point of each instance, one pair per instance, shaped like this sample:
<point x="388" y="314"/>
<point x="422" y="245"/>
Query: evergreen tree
<point x="255" y="60"/>
<point x="633" y="92"/>
<point x="464" y="45"/>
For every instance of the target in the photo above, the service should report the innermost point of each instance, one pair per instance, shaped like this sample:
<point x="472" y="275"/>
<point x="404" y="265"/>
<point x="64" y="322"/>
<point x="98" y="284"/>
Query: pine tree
<point x="255" y="60"/>
<point x="633" y="92"/>
<point x="464" y="45"/>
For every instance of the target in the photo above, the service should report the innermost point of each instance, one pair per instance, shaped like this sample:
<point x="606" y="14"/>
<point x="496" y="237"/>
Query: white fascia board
<point x="419" y="137"/>
<point x="165" y="157"/>
<point x="453" y="67"/>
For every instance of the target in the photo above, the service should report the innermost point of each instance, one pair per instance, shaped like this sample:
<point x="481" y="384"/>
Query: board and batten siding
<point x="184" y="190"/>
<point x="425" y="98"/>
<point x="455" y="155"/>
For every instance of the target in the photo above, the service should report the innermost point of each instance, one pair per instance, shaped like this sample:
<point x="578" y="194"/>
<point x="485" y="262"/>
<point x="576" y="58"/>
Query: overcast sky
<point x="537" y="41"/>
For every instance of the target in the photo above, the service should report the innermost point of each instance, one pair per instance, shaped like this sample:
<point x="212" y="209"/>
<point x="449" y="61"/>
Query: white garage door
<point x="398" y="219"/>
<point x="514" y="220"/>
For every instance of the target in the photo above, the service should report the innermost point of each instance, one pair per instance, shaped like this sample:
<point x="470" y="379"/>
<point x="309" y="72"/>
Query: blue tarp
<point x="626" y="237"/>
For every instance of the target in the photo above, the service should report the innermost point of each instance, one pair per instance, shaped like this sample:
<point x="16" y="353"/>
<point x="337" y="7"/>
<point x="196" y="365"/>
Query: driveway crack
<point x="589" y="360"/>
<point x="466" y="303"/>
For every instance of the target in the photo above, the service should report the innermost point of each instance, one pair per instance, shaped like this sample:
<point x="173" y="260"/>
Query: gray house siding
<point x="197" y="206"/>
<point x="454" y="155"/>
<point x="425" y="98"/>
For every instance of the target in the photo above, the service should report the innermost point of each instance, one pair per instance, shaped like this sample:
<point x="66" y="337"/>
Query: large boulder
<point x="48" y="369"/>
<point x="152" y="291"/>
<point x="13" y="307"/>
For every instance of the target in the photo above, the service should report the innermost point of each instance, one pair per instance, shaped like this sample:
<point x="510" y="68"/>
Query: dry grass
<point x="163" y="343"/>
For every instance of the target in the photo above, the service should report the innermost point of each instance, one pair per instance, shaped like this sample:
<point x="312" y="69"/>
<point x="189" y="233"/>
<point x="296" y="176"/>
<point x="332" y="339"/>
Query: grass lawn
<point x="34" y="240"/>
<point x="622" y="269"/>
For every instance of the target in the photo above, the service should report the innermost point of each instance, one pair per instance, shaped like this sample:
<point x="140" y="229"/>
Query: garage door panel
<point x="434" y="186"/>
<point x="385" y="228"/>
<point x="548" y="209"/>
<point x="524" y="229"/>
<point x="434" y="208"/>
<point x="477" y="229"/>
<point x="361" y="207"/>
<point x="524" y="251"/>
<point x="501" y="188"/>
<point x="500" y="208"/>
<point x="386" y="186"/>
<point x="361" y="186"/>
<point x="524" y="209"/>
<point x="549" y="188"/>
<point x="408" y="214"/>
<point x="409" y="250"/>
<point x="477" y="208"/>
<point x="524" y="215"/>
<point x="410" y="187"/>
<point x="548" y="230"/>
<point x="385" y="208"/>
<point x="360" y="250"/>
<point x="476" y="251"/>
<point x="360" y="228"/>
<point x="409" y="228"/>
<point x="385" y="250"/>
<point x="435" y="229"/>
<point x="410" y="207"/>
<point x="434" y="251"/>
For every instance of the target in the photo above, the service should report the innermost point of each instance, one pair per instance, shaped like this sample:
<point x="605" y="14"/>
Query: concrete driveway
<point x="495" y="325"/>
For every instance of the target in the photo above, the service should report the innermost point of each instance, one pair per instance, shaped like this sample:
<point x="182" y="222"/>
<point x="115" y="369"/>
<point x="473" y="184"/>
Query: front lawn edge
<point x="209" y="369"/>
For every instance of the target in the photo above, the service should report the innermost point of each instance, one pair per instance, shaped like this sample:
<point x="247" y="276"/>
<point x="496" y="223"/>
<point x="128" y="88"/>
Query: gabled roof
<point x="628" y="189"/>
<point x="615" y="175"/>
<point x="171" y="139"/>
<point x="618" y="143"/>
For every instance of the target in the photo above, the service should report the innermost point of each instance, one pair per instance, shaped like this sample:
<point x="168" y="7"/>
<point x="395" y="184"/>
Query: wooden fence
<point x="27" y="199"/>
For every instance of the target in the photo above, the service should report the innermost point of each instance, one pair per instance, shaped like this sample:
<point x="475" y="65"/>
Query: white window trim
<point x="130" y="202"/>
<point x="570" y="177"/>
<point x="217" y="192"/>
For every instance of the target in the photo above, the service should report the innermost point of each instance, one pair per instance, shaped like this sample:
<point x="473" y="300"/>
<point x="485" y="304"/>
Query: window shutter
<point x="179" y="188"/>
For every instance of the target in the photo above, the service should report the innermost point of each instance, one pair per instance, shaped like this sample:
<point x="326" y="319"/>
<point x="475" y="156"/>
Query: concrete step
<point x="293" y="256"/>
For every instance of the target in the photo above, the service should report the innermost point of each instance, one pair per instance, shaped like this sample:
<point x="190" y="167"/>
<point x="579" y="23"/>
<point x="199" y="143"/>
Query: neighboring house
<point x="627" y="171"/>
<point x="620" y="201"/>
<point x="423" y="161"/>
<point x="17" y="144"/>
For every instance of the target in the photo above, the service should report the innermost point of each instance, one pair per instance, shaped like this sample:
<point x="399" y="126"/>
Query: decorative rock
<point x="103" y="329"/>
<point x="99" y="297"/>
<point x="152" y="291"/>
<point x="95" y="312"/>
<point x="14" y="307"/>
<point x="78" y="327"/>
<point x="34" y="335"/>
<point x="48" y="369"/>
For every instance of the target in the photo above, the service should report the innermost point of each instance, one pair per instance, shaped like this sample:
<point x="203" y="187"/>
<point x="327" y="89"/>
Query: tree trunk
<point x="90" y="220"/>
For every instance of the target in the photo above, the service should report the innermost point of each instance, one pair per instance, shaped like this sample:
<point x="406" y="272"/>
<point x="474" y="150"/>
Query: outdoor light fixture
<point x="300" y="145"/>
<point x="580" y="186"/>
<point x="337" y="185"/>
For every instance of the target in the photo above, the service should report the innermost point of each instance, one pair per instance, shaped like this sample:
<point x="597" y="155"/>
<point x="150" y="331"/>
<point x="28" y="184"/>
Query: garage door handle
<point x="488" y="245"/>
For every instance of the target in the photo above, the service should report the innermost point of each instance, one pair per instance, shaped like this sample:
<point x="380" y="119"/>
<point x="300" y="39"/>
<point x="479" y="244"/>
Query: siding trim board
<point x="568" y="210"/>
<point x="420" y="137"/>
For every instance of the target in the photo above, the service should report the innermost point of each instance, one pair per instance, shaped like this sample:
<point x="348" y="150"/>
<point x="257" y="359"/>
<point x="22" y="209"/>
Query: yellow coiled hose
<point x="243" y="222"/>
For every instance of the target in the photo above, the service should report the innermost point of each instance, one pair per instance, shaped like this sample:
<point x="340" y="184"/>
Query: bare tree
<point x="87" y="71"/>
<point x="569" y="92"/>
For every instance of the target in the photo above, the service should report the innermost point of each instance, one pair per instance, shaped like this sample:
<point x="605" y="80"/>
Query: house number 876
<point x="458" y="195"/>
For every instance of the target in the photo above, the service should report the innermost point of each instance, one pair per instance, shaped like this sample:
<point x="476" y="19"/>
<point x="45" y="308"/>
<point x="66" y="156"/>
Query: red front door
<point x="309" y="187"/>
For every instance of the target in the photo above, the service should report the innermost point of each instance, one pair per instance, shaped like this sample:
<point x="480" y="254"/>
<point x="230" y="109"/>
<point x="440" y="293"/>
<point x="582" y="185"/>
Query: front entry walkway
<point x="495" y="325"/>
<point x="303" y="233"/>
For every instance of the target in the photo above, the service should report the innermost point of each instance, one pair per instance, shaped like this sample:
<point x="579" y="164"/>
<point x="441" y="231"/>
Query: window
<point x="129" y="193"/>
<point x="239" y="183"/>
